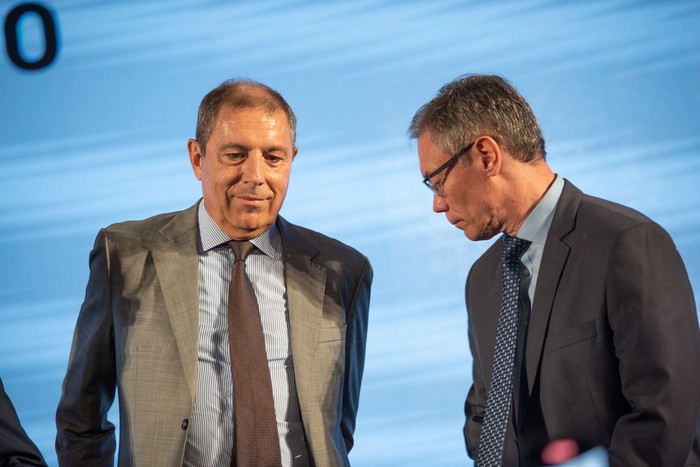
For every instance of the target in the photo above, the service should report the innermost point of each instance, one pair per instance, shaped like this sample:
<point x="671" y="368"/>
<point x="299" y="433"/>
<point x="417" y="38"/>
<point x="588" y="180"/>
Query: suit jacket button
<point x="185" y="423"/>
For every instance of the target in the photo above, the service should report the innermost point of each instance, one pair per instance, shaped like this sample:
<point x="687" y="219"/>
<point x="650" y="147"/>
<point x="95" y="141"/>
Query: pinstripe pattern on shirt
<point x="209" y="441"/>
<point x="140" y="326"/>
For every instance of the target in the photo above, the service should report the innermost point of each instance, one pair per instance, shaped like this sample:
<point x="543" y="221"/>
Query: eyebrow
<point x="244" y="147"/>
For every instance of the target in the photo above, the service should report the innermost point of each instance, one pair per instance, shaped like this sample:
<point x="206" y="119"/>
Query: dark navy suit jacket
<point x="612" y="356"/>
<point x="16" y="449"/>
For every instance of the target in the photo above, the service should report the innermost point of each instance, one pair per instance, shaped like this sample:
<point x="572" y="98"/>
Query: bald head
<point x="240" y="94"/>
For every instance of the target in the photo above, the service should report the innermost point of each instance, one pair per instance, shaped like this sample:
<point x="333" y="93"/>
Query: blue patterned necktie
<point x="498" y="402"/>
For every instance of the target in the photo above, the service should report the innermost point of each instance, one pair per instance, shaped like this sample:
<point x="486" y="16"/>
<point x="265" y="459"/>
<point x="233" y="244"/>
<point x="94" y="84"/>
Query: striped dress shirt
<point x="210" y="437"/>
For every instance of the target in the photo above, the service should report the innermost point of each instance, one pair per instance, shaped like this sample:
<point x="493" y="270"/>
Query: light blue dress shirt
<point x="210" y="436"/>
<point x="535" y="229"/>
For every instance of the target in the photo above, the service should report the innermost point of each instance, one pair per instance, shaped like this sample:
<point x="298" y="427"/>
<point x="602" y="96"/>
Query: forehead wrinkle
<point x="235" y="146"/>
<point x="271" y="124"/>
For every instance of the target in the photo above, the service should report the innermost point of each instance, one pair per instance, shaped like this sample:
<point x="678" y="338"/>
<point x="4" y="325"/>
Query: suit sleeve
<point x="15" y="446"/>
<point x="475" y="406"/>
<point x="85" y="436"/>
<point x="655" y="330"/>
<point x="355" y="343"/>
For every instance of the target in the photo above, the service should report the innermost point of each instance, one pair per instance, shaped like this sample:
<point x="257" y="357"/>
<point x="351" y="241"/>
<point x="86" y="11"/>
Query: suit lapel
<point x="306" y="283"/>
<point x="177" y="265"/>
<point x="556" y="253"/>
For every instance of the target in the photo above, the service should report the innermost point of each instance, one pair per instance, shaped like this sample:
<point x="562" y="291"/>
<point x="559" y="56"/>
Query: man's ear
<point x="489" y="155"/>
<point x="294" y="153"/>
<point x="196" y="155"/>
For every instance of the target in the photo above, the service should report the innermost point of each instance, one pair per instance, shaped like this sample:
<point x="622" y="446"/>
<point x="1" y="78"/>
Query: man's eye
<point x="234" y="156"/>
<point x="273" y="159"/>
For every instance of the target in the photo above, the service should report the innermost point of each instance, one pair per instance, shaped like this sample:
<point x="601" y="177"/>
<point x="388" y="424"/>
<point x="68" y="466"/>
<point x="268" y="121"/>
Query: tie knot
<point x="241" y="249"/>
<point x="514" y="247"/>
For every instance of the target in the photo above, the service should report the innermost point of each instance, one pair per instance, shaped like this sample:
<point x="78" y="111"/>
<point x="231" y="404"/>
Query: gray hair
<point x="480" y="105"/>
<point x="239" y="94"/>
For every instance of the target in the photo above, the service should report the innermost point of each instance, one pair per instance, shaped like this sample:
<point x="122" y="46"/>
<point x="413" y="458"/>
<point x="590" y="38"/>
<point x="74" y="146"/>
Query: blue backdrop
<point x="98" y="135"/>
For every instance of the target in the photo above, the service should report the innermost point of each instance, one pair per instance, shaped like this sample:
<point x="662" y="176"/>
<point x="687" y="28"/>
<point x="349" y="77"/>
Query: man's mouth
<point x="251" y="197"/>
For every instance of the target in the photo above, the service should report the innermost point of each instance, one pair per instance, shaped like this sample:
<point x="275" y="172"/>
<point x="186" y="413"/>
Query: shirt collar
<point x="211" y="236"/>
<point x="537" y="223"/>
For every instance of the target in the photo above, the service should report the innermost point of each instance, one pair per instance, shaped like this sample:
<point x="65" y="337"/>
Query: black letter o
<point x="51" y="43"/>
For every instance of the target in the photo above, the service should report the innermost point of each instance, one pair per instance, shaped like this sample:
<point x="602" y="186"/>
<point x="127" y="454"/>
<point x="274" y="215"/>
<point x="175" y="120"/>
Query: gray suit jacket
<point x="613" y="348"/>
<point x="138" y="332"/>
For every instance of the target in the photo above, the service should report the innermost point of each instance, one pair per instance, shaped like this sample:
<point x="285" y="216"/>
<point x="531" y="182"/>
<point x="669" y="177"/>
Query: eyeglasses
<point x="436" y="187"/>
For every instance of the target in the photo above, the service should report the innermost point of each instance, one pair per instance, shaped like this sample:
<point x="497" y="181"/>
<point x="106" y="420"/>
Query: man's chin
<point x="471" y="236"/>
<point x="245" y="229"/>
<point x="477" y="236"/>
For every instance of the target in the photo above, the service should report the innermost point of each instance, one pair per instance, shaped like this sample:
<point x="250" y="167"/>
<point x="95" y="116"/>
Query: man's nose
<point x="253" y="169"/>
<point x="439" y="204"/>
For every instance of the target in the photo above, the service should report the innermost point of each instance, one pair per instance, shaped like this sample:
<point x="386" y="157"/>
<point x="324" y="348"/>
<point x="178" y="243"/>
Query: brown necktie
<point x="255" y="438"/>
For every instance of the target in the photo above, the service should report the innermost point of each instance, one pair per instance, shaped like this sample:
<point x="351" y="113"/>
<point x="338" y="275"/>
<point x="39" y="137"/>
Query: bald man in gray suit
<point x="151" y="323"/>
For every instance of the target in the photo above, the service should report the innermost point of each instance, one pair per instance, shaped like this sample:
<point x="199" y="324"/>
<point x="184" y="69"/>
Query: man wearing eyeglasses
<point x="590" y="334"/>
